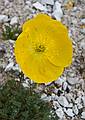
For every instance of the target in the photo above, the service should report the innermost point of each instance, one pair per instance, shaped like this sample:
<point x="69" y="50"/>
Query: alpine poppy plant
<point x="43" y="49"/>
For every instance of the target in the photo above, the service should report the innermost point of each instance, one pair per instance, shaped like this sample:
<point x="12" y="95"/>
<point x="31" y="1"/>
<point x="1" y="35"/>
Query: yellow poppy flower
<point x="43" y="49"/>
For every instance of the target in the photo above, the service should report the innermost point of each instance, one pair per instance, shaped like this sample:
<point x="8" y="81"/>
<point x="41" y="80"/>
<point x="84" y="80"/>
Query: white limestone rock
<point x="39" y="6"/>
<point x="83" y="99"/>
<point x="28" y="3"/>
<point x="60" y="81"/>
<point x="53" y="96"/>
<point x="3" y="18"/>
<point x="56" y="104"/>
<point x="79" y="105"/>
<point x="78" y="100"/>
<point x="14" y="20"/>
<point x="45" y="97"/>
<point x="82" y="44"/>
<point x="25" y="85"/>
<point x="65" y="84"/>
<point x="83" y="115"/>
<point x="49" y="2"/>
<point x="57" y="11"/>
<point x="63" y="101"/>
<point x="69" y="112"/>
<point x="60" y="113"/>
<point x="83" y="31"/>
<point x="70" y="105"/>
<point x="73" y="81"/>
<point x="83" y="21"/>
<point x="75" y="109"/>
<point x="9" y="66"/>
<point x="6" y="2"/>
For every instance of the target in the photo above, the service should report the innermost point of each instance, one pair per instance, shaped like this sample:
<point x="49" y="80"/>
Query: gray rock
<point x="69" y="112"/>
<point x="70" y="105"/>
<point x="57" y="11"/>
<point x="82" y="44"/>
<point x="3" y="18"/>
<point x="6" y="2"/>
<point x="75" y="109"/>
<point x="50" y="2"/>
<point x="45" y="97"/>
<point x="83" y="115"/>
<point x="78" y="100"/>
<point x="65" y="84"/>
<point x="79" y="105"/>
<point x="39" y="6"/>
<point x="83" y="99"/>
<point x="60" y="113"/>
<point x="83" y="30"/>
<point x="25" y="85"/>
<point x="63" y="101"/>
<point x="14" y="20"/>
<point x="9" y="66"/>
<point x="83" y="21"/>
<point x="56" y="104"/>
<point x="60" y="81"/>
<point x="73" y="81"/>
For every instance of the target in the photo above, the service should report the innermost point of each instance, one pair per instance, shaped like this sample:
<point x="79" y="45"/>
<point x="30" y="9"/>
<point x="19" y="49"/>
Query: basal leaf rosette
<point x="43" y="49"/>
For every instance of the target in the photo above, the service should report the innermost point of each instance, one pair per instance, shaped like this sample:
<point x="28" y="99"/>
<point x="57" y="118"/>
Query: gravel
<point x="67" y="94"/>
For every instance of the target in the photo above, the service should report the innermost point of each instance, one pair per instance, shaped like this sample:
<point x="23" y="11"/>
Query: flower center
<point x="40" y="48"/>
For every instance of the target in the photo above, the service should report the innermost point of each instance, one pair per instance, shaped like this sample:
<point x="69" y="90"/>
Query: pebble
<point x="53" y="96"/>
<point x="28" y="3"/>
<point x="9" y="66"/>
<point x="3" y="18"/>
<point x="57" y="11"/>
<point x="83" y="21"/>
<point x="60" y="113"/>
<point x="70" y="105"/>
<point x="48" y="98"/>
<point x="49" y="2"/>
<point x="73" y="81"/>
<point x="70" y="97"/>
<point x="75" y="109"/>
<point x="82" y="44"/>
<point x="11" y="41"/>
<point x="60" y="81"/>
<point x="25" y="85"/>
<point x="79" y="105"/>
<point x="83" y="99"/>
<point x="65" y="84"/>
<point x="6" y="2"/>
<point x="69" y="112"/>
<point x="39" y="6"/>
<point x="14" y="20"/>
<point x="83" y="115"/>
<point x="43" y="96"/>
<point x="56" y="104"/>
<point x="63" y="101"/>
<point x="83" y="31"/>
<point x="16" y="68"/>
<point x="78" y="100"/>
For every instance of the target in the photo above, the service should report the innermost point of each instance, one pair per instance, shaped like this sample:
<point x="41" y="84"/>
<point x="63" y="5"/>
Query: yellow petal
<point x="36" y="21"/>
<point x="43" y="49"/>
<point x="53" y="34"/>
<point x="60" y="50"/>
<point x="35" y="66"/>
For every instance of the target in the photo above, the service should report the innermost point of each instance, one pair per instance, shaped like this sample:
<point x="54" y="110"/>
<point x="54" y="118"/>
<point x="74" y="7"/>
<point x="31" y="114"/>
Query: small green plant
<point x="19" y="103"/>
<point x="11" y="32"/>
